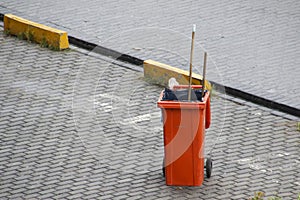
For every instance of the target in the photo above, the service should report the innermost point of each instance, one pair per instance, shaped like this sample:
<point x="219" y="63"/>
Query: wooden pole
<point x="204" y="72"/>
<point x="191" y="63"/>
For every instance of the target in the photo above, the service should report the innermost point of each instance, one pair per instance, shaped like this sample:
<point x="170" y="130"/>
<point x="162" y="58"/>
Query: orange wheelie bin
<point x="184" y="124"/>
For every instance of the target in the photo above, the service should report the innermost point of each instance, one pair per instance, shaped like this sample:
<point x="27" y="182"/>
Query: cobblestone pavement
<point x="254" y="44"/>
<point x="75" y="125"/>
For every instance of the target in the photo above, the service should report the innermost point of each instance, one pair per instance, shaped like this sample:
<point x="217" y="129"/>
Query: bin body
<point x="184" y="133"/>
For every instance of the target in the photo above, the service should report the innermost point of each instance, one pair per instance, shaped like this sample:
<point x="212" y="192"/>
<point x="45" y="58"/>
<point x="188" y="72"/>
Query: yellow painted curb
<point x="39" y="33"/>
<point x="160" y="73"/>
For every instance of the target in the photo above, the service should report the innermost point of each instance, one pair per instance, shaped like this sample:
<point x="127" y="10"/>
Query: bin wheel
<point x="164" y="168"/>
<point x="208" y="167"/>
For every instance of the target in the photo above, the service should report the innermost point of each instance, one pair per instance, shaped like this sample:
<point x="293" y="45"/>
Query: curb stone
<point x="36" y="32"/>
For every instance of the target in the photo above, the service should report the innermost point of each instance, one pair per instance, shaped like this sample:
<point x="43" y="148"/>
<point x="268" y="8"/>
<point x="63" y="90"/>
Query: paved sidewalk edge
<point x="229" y="90"/>
<point x="136" y="61"/>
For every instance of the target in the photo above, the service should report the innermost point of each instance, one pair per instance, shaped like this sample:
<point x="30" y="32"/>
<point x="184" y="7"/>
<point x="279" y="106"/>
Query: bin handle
<point x="207" y="114"/>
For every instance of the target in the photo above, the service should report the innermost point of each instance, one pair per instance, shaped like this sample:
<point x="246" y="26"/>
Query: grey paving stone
<point x="97" y="155"/>
<point x="106" y="196"/>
